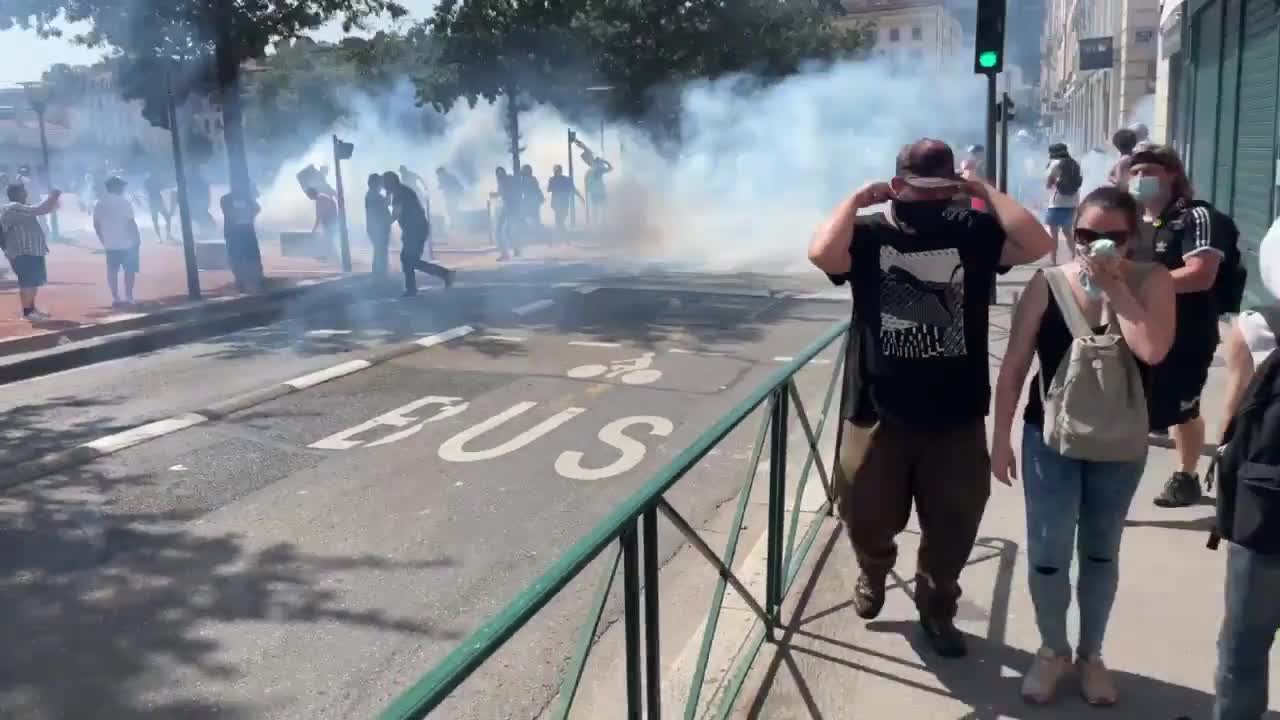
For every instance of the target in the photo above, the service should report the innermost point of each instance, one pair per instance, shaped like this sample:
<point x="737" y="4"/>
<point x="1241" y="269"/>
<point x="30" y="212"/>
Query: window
<point x="893" y="35"/>
<point x="917" y="33"/>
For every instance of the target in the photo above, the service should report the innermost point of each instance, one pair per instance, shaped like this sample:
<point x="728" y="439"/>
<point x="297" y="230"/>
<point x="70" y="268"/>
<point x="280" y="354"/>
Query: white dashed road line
<point x="323" y="376"/>
<point x="594" y="344"/>
<point x="502" y="338"/>
<point x="142" y="433"/>
<point x="533" y="307"/>
<point x="444" y="337"/>
<point x="90" y="451"/>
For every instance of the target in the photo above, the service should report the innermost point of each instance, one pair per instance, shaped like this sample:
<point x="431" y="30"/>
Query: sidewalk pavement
<point x="1161" y="640"/>
<point x="80" y="303"/>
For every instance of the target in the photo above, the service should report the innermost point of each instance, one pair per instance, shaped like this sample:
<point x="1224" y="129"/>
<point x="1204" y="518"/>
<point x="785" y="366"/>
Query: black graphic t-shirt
<point x="921" y="295"/>
<point x="1182" y="231"/>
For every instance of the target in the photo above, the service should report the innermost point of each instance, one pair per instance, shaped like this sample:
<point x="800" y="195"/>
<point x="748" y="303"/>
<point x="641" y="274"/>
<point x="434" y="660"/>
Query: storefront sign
<point x="1097" y="54"/>
<point x="1144" y="37"/>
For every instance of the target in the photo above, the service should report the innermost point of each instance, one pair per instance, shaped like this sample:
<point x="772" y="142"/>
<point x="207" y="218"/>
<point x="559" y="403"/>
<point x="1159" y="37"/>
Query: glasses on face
<point x="1085" y="236"/>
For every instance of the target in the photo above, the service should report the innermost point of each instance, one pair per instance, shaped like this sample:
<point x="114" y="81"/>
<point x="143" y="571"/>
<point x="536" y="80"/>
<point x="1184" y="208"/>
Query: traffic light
<point x="988" y="46"/>
<point x="342" y="150"/>
<point x="1007" y="111"/>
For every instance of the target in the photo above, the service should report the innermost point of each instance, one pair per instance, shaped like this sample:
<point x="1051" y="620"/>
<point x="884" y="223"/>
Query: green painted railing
<point x="639" y="513"/>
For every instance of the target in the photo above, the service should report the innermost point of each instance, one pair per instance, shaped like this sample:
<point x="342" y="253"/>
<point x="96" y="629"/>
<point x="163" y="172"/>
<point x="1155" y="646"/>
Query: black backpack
<point x="1070" y="178"/>
<point x="1228" y="287"/>
<point x="1247" y="466"/>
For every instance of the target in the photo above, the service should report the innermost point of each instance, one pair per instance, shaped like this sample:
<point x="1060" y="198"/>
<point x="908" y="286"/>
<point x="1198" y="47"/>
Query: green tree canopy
<point x="552" y="50"/>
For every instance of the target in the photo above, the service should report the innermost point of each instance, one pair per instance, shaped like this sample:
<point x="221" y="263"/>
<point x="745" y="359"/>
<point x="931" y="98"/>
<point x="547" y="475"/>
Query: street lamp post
<point x="38" y="96"/>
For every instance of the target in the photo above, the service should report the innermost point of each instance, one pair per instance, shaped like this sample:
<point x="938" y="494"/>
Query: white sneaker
<point x="1040" y="683"/>
<point x="37" y="316"/>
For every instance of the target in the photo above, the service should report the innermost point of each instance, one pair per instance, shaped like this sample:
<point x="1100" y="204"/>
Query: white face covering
<point x="1269" y="259"/>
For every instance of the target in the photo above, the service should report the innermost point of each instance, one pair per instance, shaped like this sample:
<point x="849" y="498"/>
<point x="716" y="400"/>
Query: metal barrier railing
<point x="639" y="514"/>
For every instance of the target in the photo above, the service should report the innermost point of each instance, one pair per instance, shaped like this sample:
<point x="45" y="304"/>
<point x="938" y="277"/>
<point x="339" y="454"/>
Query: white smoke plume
<point x="759" y="165"/>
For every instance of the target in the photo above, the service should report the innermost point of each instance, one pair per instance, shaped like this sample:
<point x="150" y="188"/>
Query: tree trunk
<point x="513" y="129"/>
<point x="228" y="68"/>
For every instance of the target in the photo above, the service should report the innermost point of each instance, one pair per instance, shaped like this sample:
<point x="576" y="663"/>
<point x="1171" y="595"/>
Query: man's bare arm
<point x="829" y="249"/>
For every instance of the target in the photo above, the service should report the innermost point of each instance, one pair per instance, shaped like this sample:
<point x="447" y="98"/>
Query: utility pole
<point x="988" y="59"/>
<point x="573" y="196"/>
<point x="184" y="205"/>
<point x="1006" y="114"/>
<point x="342" y="151"/>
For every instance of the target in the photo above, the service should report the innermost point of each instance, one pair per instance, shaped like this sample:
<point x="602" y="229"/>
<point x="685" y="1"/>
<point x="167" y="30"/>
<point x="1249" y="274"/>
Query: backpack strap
<point x="1060" y="286"/>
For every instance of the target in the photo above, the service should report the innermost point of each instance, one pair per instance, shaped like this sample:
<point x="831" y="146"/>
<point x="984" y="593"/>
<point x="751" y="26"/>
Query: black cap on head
<point x="115" y="182"/>
<point x="928" y="163"/>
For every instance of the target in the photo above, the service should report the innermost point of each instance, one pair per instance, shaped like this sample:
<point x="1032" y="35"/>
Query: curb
<point x="153" y="332"/>
<point x="26" y="471"/>
<point x="180" y="313"/>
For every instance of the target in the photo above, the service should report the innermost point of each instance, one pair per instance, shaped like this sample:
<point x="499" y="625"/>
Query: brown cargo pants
<point x="882" y="470"/>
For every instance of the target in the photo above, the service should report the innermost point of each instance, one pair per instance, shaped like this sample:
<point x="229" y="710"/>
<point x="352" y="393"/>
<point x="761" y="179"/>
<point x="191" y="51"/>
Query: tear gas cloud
<point x="757" y="168"/>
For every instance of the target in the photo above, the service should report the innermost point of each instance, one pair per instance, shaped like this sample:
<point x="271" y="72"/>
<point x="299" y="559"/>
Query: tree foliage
<point x="553" y="50"/>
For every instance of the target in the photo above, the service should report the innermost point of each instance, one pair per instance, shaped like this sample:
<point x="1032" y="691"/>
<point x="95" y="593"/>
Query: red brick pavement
<point x="77" y="291"/>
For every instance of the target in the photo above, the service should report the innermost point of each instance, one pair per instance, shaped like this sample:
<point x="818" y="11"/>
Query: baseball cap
<point x="928" y="163"/>
<point x="1152" y="154"/>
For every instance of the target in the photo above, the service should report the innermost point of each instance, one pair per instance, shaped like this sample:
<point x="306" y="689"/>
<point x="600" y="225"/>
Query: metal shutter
<point x="1225" y="178"/>
<point x="1256" y="128"/>
<point x="1207" y="32"/>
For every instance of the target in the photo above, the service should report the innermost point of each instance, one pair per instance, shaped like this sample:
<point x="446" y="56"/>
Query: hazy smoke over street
<point x="758" y="165"/>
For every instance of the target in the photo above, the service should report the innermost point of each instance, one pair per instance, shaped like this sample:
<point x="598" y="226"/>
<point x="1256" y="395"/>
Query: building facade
<point x="913" y="34"/>
<point x="1222" y="80"/>
<point x="1085" y="107"/>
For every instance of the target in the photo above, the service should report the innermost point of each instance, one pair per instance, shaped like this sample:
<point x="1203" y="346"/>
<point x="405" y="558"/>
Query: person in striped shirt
<point x="25" y="245"/>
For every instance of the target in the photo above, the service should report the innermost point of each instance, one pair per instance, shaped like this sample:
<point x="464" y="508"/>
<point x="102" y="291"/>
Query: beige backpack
<point x="1095" y="407"/>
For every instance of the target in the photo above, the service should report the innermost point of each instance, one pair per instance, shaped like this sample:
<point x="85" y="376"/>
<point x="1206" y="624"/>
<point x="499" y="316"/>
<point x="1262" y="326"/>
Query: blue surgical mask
<point x="1144" y="188"/>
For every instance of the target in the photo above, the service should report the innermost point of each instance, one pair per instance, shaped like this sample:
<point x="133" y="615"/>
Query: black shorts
<point x="1176" y="386"/>
<point x="127" y="259"/>
<point x="30" y="270"/>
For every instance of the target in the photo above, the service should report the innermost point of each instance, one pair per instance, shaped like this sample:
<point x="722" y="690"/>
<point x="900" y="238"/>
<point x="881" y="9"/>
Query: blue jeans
<point x="1249" y="624"/>
<point x="1062" y="493"/>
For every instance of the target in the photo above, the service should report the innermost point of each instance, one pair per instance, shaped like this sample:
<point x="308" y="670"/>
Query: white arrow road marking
<point x="454" y="449"/>
<point x="569" y="463"/>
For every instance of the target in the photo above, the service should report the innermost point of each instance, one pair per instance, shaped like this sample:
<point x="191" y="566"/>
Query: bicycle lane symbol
<point x="637" y="371"/>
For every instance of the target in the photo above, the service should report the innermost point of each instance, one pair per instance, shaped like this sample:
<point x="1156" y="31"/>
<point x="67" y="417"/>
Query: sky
<point x="38" y="54"/>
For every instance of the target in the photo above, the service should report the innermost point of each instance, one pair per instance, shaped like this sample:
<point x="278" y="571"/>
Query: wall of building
<point x="1086" y="107"/>
<point x="911" y="33"/>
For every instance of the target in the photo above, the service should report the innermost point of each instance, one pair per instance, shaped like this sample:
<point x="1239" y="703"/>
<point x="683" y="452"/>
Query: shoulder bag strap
<point x="1060" y="286"/>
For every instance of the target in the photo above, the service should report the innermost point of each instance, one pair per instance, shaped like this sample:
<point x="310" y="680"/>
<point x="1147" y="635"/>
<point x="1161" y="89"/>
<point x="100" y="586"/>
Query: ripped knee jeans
<point x="1074" y="507"/>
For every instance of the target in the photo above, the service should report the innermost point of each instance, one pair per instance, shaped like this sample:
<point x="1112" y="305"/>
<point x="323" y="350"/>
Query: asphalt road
<point x="310" y="557"/>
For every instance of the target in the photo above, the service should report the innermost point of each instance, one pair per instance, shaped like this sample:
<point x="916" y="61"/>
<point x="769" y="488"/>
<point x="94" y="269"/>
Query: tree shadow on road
<point x="35" y="429"/>
<point x="114" y="614"/>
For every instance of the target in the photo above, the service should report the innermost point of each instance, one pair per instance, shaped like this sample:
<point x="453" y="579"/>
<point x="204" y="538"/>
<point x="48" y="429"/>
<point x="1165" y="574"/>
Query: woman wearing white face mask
<point x="1197" y="244"/>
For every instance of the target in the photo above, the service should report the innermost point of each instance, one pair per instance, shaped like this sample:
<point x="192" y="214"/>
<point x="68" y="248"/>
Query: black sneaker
<point x="1182" y="490"/>
<point x="868" y="596"/>
<point x="943" y="636"/>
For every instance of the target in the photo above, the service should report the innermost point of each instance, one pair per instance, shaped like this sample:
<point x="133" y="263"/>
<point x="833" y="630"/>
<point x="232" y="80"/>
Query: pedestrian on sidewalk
<point x="326" y="226"/>
<point x="562" y="192"/>
<point x="921" y="276"/>
<point x="117" y="230"/>
<point x="239" y="212"/>
<point x="1191" y="238"/>
<point x="415" y="232"/>
<point x="25" y="244"/>
<point x="377" y="221"/>
<point x="1084" y="438"/>
<point x="1252" y="613"/>
<point x="1063" y="180"/>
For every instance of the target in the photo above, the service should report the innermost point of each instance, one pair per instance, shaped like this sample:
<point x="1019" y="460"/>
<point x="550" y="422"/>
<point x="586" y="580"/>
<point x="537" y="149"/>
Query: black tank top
<point x="1053" y="340"/>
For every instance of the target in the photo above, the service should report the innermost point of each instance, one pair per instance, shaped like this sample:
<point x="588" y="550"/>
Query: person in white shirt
<point x="117" y="229"/>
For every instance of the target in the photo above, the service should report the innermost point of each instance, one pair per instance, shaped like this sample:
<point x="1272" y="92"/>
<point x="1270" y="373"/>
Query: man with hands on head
<point x="921" y="276"/>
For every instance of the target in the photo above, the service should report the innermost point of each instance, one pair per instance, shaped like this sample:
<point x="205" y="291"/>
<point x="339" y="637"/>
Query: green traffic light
<point x="988" y="58"/>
